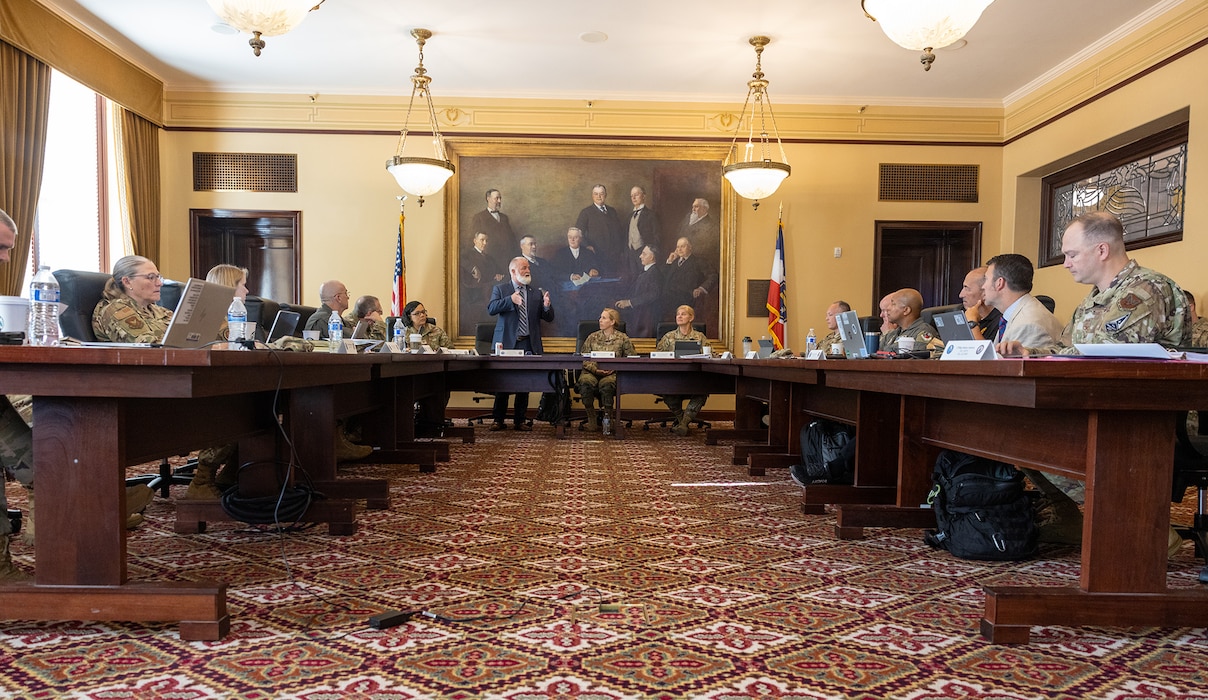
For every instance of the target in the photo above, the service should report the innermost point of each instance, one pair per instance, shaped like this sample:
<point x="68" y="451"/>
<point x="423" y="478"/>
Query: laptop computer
<point x="852" y="334"/>
<point x="687" y="348"/>
<point x="952" y="325"/>
<point x="284" y="324"/>
<point x="196" y="321"/>
<point x="766" y="348"/>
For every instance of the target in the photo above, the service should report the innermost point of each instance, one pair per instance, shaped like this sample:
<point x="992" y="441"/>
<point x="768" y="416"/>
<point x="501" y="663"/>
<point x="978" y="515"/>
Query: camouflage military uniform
<point x="122" y="321"/>
<point x="1199" y="333"/>
<point x="1139" y="306"/>
<point x="431" y="335"/>
<point x="590" y="383"/>
<point x="924" y="334"/>
<point x="830" y="339"/>
<point x="376" y="330"/>
<point x="675" y="402"/>
<point x="16" y="449"/>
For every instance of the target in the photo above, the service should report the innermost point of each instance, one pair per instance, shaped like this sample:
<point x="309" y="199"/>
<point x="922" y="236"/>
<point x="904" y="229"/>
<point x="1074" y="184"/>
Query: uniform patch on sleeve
<point x="1115" y="325"/>
<point x="1129" y="302"/>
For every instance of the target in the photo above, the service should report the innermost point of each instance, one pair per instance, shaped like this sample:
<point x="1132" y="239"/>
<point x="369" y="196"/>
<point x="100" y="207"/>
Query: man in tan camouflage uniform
<point x="833" y="337"/>
<point x="903" y="309"/>
<point x="1127" y="304"/>
<point x="684" y="315"/>
<point x="1199" y="324"/>
<point x="367" y="308"/>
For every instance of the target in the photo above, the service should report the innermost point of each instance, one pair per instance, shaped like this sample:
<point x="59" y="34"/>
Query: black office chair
<point x="484" y="344"/>
<point x="304" y="314"/>
<point x="80" y="291"/>
<point x="928" y="314"/>
<point x="661" y="330"/>
<point x="1191" y="469"/>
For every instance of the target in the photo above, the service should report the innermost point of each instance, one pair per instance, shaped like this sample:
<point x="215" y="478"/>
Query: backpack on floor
<point x="554" y="407"/>
<point x="981" y="509"/>
<point x="828" y="449"/>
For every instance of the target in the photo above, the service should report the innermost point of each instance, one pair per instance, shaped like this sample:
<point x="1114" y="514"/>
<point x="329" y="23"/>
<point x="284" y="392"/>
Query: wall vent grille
<point x="906" y="182"/>
<point x="245" y="172"/>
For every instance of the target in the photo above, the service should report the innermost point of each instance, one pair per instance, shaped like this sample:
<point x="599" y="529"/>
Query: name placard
<point x="602" y="354"/>
<point x="815" y="355"/>
<point x="663" y="355"/>
<point x="969" y="350"/>
<point x="511" y="353"/>
<point x="392" y="347"/>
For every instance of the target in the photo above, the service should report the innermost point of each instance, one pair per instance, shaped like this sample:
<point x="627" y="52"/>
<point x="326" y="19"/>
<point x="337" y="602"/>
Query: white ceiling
<point x="822" y="51"/>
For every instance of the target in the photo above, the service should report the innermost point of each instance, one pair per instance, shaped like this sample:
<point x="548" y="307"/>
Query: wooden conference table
<point x="1110" y="423"/>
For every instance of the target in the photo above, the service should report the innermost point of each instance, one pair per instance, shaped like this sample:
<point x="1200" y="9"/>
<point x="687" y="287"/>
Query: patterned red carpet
<point x="586" y="569"/>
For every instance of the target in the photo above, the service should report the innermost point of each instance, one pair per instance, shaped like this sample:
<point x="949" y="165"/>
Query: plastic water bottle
<point x="236" y="323"/>
<point x="398" y="333"/>
<point x="335" y="332"/>
<point x="811" y="342"/>
<point x="606" y="425"/>
<point x="44" y="308"/>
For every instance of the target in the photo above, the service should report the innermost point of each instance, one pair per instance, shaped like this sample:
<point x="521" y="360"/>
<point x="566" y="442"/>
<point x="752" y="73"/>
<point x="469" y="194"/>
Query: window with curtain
<point x="79" y="224"/>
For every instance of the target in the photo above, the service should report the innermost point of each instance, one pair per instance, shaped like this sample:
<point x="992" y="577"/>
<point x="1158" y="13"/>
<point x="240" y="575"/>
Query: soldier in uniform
<point x="594" y="381"/>
<point x="684" y="315"/>
<point x="833" y="336"/>
<point x="1127" y="304"/>
<point x="430" y="418"/>
<point x="334" y="297"/>
<point x="904" y="309"/>
<point x="367" y="308"/>
<point x="1199" y="324"/>
<point x="127" y="313"/>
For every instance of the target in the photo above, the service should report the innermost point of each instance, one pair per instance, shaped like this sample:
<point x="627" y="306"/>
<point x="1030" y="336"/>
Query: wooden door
<point x="930" y="256"/>
<point x="267" y="243"/>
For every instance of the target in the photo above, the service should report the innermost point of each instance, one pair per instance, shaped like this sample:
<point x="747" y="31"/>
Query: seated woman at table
<point x="431" y="415"/>
<point x="594" y="381"/>
<point x="684" y="315"/>
<point x="128" y="312"/>
<point x="236" y="278"/>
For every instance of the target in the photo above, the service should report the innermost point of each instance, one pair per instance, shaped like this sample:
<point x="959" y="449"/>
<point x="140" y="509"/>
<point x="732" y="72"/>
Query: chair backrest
<point x="261" y="312"/>
<point x="304" y="313"/>
<point x="667" y="326"/>
<point x="484" y="336"/>
<point x="1047" y="301"/>
<point x="929" y="313"/>
<point x="80" y="291"/>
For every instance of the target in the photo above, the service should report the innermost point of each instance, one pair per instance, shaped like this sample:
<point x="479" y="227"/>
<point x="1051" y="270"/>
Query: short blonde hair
<point x="691" y="311"/>
<point x="226" y="275"/>
<point x="613" y="314"/>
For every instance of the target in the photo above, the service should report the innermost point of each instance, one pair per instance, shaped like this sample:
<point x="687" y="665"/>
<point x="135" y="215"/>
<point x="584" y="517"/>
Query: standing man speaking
<point x="520" y="310"/>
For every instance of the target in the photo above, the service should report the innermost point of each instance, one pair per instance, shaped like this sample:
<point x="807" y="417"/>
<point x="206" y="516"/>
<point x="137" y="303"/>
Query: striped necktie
<point x="522" y="329"/>
<point x="1002" y="327"/>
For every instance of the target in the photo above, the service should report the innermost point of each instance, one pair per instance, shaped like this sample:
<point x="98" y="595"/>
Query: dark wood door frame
<point x="952" y="278"/>
<point x="295" y="224"/>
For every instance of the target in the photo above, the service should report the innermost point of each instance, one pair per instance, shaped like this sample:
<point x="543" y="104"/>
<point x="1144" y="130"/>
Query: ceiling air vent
<point x="905" y="182"/>
<point x="246" y="172"/>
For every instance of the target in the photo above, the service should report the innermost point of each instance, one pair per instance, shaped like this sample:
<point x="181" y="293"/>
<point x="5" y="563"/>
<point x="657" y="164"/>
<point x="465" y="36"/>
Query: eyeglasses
<point x="150" y="277"/>
<point x="420" y="312"/>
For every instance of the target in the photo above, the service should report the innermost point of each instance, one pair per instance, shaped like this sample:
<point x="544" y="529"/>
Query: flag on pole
<point x="398" y="293"/>
<point x="778" y="314"/>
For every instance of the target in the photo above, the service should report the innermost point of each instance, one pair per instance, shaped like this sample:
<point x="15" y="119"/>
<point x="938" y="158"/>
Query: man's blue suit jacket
<point x="508" y="319"/>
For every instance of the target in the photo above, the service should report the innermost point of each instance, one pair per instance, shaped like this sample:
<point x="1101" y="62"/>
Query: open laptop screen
<point x="284" y="324"/>
<point x="687" y="347"/>
<point x="952" y="325"/>
<point x="853" y="336"/>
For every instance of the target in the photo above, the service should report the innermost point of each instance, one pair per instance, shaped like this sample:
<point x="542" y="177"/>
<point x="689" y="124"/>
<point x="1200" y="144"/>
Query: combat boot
<point x="593" y="424"/>
<point x="347" y="450"/>
<point x="681" y="428"/>
<point x="9" y="573"/>
<point x="202" y="487"/>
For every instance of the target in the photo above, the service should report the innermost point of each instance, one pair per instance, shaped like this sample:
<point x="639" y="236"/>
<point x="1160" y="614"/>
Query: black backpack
<point x="828" y="450"/>
<point x="981" y="509"/>
<point x="554" y="407"/>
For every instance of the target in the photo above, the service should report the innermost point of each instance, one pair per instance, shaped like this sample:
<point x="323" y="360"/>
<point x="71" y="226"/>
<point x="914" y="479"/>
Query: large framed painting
<point x="577" y="203"/>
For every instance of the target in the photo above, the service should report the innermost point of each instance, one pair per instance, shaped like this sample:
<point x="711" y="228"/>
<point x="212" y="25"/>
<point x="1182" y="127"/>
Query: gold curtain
<point x="24" y="106"/>
<point x="139" y="161"/>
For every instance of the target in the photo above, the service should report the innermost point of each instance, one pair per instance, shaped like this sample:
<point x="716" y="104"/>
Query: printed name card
<point x="392" y="347"/>
<point x="815" y="355"/>
<point x="969" y="350"/>
<point x="511" y="353"/>
<point x="602" y="354"/>
<point x="662" y="355"/>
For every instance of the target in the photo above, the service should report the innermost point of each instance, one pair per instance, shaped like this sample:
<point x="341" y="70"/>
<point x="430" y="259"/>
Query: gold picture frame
<point x="545" y="187"/>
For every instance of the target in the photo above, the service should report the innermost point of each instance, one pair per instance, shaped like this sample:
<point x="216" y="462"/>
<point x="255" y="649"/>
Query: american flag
<point x="398" y="293"/>
<point x="778" y="313"/>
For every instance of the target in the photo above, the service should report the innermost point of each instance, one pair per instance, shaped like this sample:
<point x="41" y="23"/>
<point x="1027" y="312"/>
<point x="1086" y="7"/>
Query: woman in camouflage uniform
<point x="684" y="315"/>
<point x="128" y="313"/>
<point x="594" y="381"/>
<point x="431" y="416"/>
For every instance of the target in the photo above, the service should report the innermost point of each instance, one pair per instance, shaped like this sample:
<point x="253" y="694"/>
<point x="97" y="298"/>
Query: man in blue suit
<point x="520" y="310"/>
